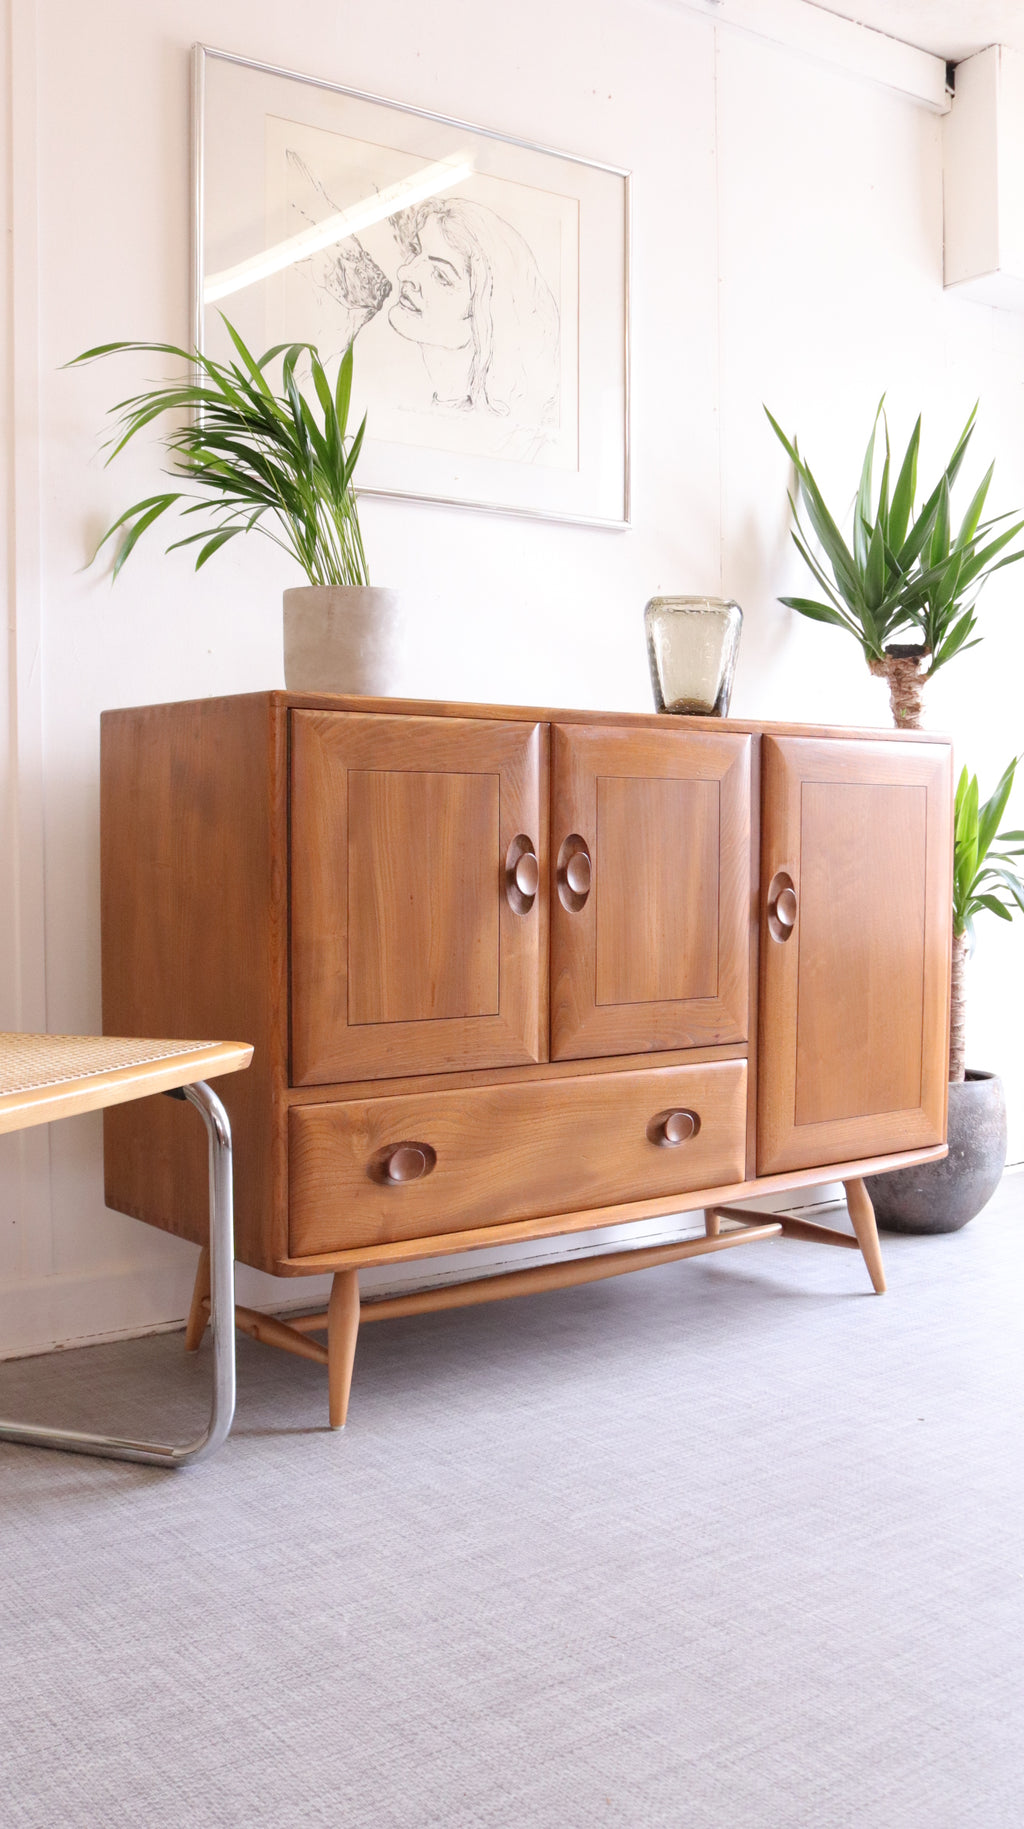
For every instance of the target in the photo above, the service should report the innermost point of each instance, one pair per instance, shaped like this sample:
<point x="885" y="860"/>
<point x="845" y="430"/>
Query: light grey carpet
<point x="732" y="1544"/>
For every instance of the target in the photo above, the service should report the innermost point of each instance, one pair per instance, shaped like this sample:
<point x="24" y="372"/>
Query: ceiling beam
<point x="810" y="31"/>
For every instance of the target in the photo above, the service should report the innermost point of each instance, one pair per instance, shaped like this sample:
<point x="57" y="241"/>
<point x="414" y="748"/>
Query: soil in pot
<point x="943" y="1196"/>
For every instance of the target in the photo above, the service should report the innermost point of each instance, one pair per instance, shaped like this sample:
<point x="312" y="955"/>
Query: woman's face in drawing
<point x="434" y="301"/>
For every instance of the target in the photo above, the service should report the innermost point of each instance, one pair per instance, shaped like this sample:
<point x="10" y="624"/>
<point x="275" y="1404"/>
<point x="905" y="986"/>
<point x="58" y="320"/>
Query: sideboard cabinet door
<point x="855" y="945"/>
<point x="413" y="948"/>
<point x="650" y="904"/>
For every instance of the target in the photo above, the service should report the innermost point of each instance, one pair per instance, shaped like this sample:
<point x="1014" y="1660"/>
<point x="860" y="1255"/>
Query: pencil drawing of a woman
<point x="471" y="294"/>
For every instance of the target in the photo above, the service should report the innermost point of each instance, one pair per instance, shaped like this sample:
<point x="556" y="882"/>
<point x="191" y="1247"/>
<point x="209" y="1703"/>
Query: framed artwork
<point x="484" y="281"/>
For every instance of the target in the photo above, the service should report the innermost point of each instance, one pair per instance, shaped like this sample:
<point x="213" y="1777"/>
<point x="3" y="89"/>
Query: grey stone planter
<point x="344" y="638"/>
<point x="943" y="1196"/>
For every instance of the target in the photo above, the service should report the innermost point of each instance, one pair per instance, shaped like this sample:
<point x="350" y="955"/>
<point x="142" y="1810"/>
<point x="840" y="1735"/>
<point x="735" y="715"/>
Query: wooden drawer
<point x="505" y="1152"/>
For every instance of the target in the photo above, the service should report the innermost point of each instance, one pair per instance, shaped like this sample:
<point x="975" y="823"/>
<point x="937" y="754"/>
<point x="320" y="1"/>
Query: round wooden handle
<point x="667" y="1129"/>
<point x="522" y="874"/>
<point x="785" y="907"/>
<point x="782" y="906"/>
<point x="679" y="1127"/>
<point x="527" y="873"/>
<point x="573" y="873"/>
<point x="407" y="1162"/>
<point x="577" y="873"/>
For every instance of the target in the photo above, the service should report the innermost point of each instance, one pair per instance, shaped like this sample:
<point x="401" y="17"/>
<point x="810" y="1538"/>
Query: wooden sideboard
<point x="512" y="973"/>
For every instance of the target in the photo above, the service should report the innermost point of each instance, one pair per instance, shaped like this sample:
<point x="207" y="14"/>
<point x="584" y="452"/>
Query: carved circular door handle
<point x="574" y="873"/>
<point x="577" y="872"/>
<point x="782" y="906"/>
<point x="527" y="873"/>
<point x="670" y="1128"/>
<point x="785" y="907"/>
<point x="522" y="874"/>
<point x="408" y="1161"/>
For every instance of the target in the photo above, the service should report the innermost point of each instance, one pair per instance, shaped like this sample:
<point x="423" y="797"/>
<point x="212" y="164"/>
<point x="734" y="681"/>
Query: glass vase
<point x="691" y="645"/>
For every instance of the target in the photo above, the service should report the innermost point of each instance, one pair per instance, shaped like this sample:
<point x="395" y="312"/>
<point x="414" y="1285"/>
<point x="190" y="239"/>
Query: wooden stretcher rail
<point x="505" y="1284"/>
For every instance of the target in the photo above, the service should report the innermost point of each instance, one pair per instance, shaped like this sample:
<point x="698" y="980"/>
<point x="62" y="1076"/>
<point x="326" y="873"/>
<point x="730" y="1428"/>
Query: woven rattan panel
<point x="28" y="1062"/>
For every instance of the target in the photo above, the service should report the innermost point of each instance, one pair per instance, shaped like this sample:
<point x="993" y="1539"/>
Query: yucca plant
<point x="907" y="587"/>
<point x="986" y="876"/>
<point x="255" y="459"/>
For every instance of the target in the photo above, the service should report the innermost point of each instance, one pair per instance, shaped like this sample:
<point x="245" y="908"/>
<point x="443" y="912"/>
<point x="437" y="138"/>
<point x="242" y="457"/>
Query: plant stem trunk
<point x="958" y="1009"/>
<point x="906" y="674"/>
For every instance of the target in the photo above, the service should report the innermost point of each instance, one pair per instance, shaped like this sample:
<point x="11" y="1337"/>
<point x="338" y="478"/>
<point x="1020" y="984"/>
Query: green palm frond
<point x="908" y="576"/>
<point x="256" y="460"/>
<point x="984" y="877"/>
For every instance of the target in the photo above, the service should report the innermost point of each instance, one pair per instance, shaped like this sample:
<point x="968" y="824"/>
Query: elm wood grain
<point x="560" y="1225"/>
<point x="422" y="908"/>
<point x="342" y="1333"/>
<point x="309" y="1324"/>
<point x="816" y="1235"/>
<point x="193" y="823"/>
<point x="507" y="1153"/>
<point x="795" y="1228"/>
<point x="199" y="1311"/>
<point x="561" y="714"/>
<point x="269" y="1331"/>
<point x="656" y="924"/>
<point x="848" y="890"/>
<point x="406" y="954"/>
<point x="754" y="957"/>
<point x="826" y="1235"/>
<point x="854" y="1004"/>
<point x="541" y="1277"/>
<point x="657" y="956"/>
<point x="862" y="1219"/>
<point x="788" y="1225"/>
<point x="510" y="1076"/>
<point x="346" y="1314"/>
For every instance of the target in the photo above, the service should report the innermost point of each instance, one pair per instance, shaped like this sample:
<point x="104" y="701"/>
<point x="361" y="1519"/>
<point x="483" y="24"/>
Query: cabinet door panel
<point x="854" y="1002"/>
<point x="655" y="956"/>
<point x="433" y="956"/>
<point x="408" y="955"/>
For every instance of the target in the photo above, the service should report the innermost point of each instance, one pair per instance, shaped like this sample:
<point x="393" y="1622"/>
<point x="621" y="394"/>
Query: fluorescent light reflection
<point x="427" y="183"/>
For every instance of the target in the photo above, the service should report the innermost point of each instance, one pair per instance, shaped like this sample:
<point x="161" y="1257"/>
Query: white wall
<point x="787" y="249"/>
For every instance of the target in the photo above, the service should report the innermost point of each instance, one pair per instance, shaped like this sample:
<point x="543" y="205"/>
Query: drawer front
<point x="496" y="1153"/>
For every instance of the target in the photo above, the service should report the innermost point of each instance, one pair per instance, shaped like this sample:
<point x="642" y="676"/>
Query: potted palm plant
<point x="907" y="586"/>
<point x="943" y="1196"/>
<point x="251" y="459"/>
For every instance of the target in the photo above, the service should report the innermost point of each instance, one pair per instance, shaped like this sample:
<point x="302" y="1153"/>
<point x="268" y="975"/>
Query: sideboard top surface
<point x="278" y="700"/>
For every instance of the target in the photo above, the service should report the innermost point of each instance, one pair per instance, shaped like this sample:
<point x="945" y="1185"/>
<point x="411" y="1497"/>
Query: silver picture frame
<point x="463" y="243"/>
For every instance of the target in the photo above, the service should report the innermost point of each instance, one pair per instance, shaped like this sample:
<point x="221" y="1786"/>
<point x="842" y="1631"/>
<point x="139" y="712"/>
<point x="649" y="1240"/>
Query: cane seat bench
<point x="46" y="1077"/>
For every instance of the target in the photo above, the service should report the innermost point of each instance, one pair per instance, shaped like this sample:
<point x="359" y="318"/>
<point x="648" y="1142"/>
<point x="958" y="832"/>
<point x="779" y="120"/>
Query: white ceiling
<point x="952" y="29"/>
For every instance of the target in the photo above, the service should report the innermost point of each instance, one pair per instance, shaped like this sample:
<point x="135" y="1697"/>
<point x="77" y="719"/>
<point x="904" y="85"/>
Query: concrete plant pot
<point x="943" y="1196"/>
<point x="342" y="638"/>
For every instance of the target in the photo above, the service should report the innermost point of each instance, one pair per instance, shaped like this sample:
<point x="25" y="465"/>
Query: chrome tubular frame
<point x="222" y="1317"/>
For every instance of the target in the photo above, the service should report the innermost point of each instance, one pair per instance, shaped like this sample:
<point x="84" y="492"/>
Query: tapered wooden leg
<point x="342" y="1332"/>
<point x="199" y="1313"/>
<point x="862" y="1218"/>
<point x="712" y="1223"/>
